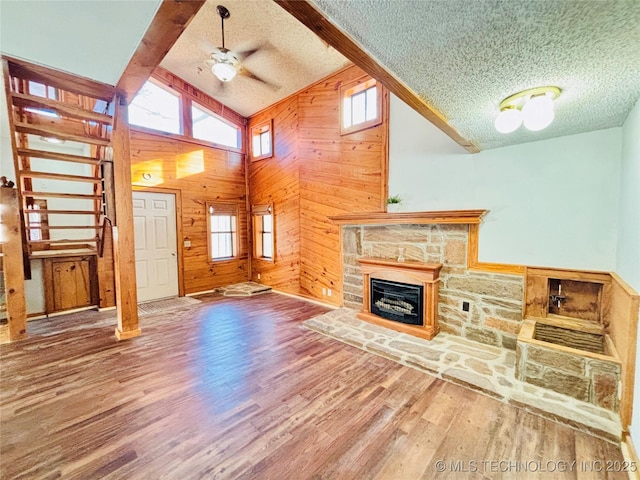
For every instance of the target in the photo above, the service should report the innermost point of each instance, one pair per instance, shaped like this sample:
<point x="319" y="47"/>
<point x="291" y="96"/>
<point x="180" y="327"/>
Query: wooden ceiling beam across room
<point x="313" y="19"/>
<point x="170" y="21"/>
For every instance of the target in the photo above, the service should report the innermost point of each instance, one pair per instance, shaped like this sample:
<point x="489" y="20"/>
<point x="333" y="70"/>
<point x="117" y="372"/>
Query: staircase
<point x="61" y="141"/>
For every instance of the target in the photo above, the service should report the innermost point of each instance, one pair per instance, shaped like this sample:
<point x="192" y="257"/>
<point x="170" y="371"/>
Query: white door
<point x="154" y="222"/>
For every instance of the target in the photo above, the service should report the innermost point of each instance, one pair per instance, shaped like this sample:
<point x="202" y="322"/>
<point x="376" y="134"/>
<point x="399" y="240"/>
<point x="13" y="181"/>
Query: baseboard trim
<point x="201" y="293"/>
<point x="306" y="299"/>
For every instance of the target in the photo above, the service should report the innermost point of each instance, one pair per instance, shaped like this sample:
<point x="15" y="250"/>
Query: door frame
<point x="179" y="238"/>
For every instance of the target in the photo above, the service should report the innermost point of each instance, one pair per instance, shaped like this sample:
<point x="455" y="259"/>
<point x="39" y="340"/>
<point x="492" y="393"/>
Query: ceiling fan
<point x="226" y="64"/>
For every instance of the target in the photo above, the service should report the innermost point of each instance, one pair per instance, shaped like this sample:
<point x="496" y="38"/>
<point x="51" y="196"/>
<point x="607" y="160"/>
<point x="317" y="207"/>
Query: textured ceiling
<point x="464" y="56"/>
<point x="93" y="39"/>
<point x="290" y="56"/>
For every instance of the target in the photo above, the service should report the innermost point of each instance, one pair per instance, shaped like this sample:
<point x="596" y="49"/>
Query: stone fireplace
<point x="401" y="295"/>
<point x="479" y="305"/>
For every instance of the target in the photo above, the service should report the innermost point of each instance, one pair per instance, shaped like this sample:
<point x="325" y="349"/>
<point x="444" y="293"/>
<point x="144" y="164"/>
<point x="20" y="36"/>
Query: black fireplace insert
<point x="400" y="302"/>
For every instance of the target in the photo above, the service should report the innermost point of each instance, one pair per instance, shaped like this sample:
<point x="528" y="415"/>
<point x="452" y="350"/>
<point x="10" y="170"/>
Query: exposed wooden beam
<point x="123" y="241"/>
<point x="168" y="24"/>
<point x="313" y="19"/>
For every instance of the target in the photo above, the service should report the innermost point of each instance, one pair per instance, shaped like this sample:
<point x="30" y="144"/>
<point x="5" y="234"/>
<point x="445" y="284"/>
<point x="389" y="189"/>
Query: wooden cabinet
<point x="70" y="282"/>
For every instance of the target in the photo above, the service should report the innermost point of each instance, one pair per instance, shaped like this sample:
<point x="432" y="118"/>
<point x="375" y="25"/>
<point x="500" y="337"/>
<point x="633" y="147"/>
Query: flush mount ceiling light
<point x="533" y="107"/>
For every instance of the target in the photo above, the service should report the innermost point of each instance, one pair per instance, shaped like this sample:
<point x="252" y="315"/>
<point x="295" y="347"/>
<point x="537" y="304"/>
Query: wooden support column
<point x="123" y="241"/>
<point x="13" y="267"/>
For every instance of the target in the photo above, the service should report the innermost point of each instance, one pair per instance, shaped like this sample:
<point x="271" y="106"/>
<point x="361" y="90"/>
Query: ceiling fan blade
<point x="243" y="55"/>
<point x="246" y="73"/>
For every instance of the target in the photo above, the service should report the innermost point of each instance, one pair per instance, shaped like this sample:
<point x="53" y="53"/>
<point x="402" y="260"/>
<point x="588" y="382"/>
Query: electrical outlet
<point x="187" y="243"/>
<point x="324" y="291"/>
<point x="329" y="293"/>
<point x="258" y="276"/>
<point x="465" y="306"/>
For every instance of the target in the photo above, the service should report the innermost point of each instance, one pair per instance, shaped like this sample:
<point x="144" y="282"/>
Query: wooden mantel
<point x="473" y="218"/>
<point x="412" y="273"/>
<point x="466" y="217"/>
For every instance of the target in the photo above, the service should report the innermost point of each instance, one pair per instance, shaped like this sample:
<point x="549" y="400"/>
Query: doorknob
<point x="173" y="253"/>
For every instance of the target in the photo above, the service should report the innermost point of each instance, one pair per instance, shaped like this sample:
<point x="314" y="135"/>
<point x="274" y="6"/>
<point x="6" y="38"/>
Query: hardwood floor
<point x="236" y="388"/>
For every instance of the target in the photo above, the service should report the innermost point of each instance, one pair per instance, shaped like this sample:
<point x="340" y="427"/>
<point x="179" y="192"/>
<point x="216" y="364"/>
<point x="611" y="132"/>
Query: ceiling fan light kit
<point x="224" y="70"/>
<point x="532" y="107"/>
<point x="226" y="64"/>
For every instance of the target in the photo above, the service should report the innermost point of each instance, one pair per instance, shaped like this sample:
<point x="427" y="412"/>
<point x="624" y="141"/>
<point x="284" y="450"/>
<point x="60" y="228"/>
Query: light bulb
<point x="224" y="71"/>
<point x="538" y="113"/>
<point x="508" y="120"/>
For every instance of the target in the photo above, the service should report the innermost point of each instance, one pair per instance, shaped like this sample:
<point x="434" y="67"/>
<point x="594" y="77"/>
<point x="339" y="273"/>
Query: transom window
<point x="156" y="107"/>
<point x="208" y="126"/>
<point x="263" y="238"/>
<point x="222" y="226"/>
<point x="262" y="141"/>
<point x="360" y="106"/>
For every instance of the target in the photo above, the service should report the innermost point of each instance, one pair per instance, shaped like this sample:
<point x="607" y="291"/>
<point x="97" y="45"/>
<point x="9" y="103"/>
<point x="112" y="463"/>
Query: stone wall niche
<point x="404" y="272"/>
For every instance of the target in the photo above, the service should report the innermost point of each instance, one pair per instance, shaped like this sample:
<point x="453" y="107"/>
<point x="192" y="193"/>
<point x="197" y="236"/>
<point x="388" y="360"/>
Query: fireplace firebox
<point x="397" y="301"/>
<point x="402" y="296"/>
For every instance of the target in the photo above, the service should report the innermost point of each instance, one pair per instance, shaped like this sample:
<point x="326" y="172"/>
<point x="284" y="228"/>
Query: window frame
<point x="191" y="95"/>
<point x="193" y="104"/>
<point x="258" y="212"/>
<point x="222" y="209"/>
<point x="181" y="109"/>
<point x="259" y="130"/>
<point x="349" y="90"/>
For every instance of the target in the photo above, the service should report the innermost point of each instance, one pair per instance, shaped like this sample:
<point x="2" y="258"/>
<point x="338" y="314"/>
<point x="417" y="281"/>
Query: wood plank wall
<point x="622" y="318"/>
<point x="334" y="175"/>
<point x="276" y="181"/>
<point x="202" y="174"/>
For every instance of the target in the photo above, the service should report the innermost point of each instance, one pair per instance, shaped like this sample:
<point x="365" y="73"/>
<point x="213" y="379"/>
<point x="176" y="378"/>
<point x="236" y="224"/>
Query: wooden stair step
<point x="64" y="212"/>
<point x="65" y="157"/>
<point x="73" y="111"/>
<point x="63" y="252"/>
<point x="58" y="176"/>
<point x="72" y="241"/>
<point x="46" y="131"/>
<point x="79" y="196"/>
<point x="66" y="227"/>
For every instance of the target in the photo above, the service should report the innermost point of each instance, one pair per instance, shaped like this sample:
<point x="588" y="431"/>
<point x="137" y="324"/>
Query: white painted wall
<point x="94" y="39"/>
<point x="628" y="259"/>
<point x="552" y="203"/>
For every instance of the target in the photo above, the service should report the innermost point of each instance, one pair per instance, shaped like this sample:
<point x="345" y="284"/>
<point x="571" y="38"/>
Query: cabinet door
<point x="68" y="283"/>
<point x="71" y="284"/>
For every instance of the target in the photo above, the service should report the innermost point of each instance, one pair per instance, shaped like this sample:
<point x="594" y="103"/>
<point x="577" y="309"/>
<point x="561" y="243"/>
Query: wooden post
<point x="13" y="266"/>
<point x="123" y="240"/>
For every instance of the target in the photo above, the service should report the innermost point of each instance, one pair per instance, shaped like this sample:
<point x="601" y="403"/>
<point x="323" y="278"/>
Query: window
<point x="208" y="126"/>
<point x="360" y="106"/>
<point x="156" y="107"/>
<point x="263" y="238"/>
<point x="41" y="90"/>
<point x="261" y="141"/>
<point x="37" y="222"/>
<point x="222" y="227"/>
